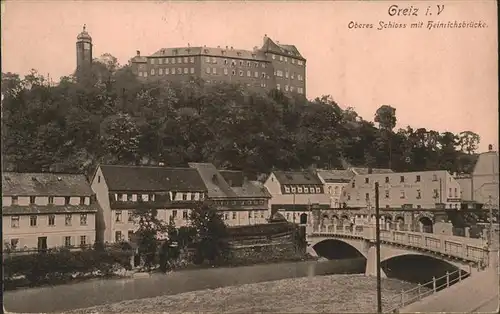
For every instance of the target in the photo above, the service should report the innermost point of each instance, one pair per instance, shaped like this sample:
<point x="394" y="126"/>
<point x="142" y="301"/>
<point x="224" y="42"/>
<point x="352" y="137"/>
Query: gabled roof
<point x="147" y="178"/>
<point x="217" y="187"/>
<point x="360" y="170"/>
<point x="297" y="177"/>
<point x="486" y="164"/>
<point x="233" y="178"/>
<point x="210" y="51"/>
<point x="286" y="50"/>
<point x="252" y="189"/>
<point x="45" y="184"/>
<point x="336" y="176"/>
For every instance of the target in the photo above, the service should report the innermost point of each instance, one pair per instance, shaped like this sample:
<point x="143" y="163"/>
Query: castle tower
<point x="83" y="50"/>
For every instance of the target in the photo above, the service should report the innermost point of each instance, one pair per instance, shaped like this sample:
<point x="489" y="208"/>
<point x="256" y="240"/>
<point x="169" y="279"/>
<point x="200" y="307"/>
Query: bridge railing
<point x="406" y="297"/>
<point x="459" y="247"/>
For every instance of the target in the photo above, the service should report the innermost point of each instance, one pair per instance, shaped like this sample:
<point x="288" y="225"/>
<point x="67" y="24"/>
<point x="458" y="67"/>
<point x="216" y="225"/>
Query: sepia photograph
<point x="250" y="156"/>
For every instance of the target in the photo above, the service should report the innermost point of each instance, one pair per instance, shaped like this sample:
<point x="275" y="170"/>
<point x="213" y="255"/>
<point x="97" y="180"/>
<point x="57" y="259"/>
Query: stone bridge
<point x="464" y="253"/>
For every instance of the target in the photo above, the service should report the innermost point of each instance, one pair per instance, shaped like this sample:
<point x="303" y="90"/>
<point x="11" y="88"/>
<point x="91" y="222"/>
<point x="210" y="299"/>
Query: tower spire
<point x="84" y="27"/>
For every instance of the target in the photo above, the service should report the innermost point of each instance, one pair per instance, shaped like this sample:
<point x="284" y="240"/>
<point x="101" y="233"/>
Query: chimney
<point x="231" y="47"/>
<point x="265" y="39"/>
<point x="490" y="148"/>
<point x="138" y="53"/>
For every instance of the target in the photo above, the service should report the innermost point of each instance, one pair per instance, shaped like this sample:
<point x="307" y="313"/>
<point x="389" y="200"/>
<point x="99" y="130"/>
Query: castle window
<point x="256" y="74"/>
<point x="207" y="59"/>
<point x="419" y="195"/>
<point x="185" y="59"/>
<point x="214" y="60"/>
<point x="402" y="194"/>
<point x="167" y="71"/>
<point x="234" y="72"/>
<point x="286" y="74"/>
<point x="160" y="71"/>
<point x="191" y="59"/>
<point x="249" y="73"/>
<point x="278" y="86"/>
<point x="186" y="71"/>
<point x="179" y="60"/>
<point x="241" y="73"/>
<point x="225" y="71"/>
<point x="402" y="179"/>
<point x="192" y="70"/>
<point x="367" y="180"/>
<point x="386" y="193"/>
<point x="418" y="179"/>
<point x="207" y="70"/>
<point x="152" y="61"/>
<point x="152" y="71"/>
<point x="225" y="61"/>
<point x="160" y="61"/>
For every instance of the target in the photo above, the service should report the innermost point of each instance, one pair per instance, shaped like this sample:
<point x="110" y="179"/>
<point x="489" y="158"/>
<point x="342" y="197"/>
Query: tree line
<point x="109" y="116"/>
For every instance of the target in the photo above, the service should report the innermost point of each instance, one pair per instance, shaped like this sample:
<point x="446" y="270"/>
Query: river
<point x="105" y="292"/>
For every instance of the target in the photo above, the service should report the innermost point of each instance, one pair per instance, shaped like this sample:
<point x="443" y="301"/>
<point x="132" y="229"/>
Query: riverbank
<point x="99" y="292"/>
<point x="320" y="294"/>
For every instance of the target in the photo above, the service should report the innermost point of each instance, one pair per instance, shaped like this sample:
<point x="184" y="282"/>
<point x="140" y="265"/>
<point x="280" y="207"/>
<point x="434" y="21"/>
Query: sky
<point x="440" y="79"/>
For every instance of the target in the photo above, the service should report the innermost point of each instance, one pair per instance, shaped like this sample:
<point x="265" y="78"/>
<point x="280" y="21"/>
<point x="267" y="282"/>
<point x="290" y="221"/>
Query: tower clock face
<point x="86" y="46"/>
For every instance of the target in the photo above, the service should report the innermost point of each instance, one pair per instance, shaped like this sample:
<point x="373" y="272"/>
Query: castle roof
<point x="84" y="35"/>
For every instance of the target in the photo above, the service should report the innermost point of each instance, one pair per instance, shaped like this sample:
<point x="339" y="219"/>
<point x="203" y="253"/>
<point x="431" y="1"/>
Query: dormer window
<point x="299" y="189"/>
<point x="306" y="190"/>
<point x="32" y="199"/>
<point x="293" y="189"/>
<point x="129" y="197"/>
<point x="318" y="190"/>
<point x="14" y="200"/>
<point x="51" y="200"/>
<point x="287" y="189"/>
<point x="66" y="200"/>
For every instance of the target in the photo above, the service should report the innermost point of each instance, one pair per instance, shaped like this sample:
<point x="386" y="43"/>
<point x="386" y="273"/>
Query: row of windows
<point x="279" y="73"/>
<point x="401" y="179"/>
<point x="253" y="202"/>
<point x="179" y="60"/>
<point x="337" y="190"/>
<point x="435" y="194"/>
<point x="285" y="59"/>
<point x="119" y="215"/>
<point x="261" y="84"/>
<point x="15" y="200"/>
<point x="287" y="88"/>
<point x="251" y="214"/>
<point x="14" y="220"/>
<point x="303" y="189"/>
<point x="168" y="71"/>
<point x="67" y="240"/>
<point x="241" y="73"/>
<point x="211" y="60"/>
<point x="151" y="197"/>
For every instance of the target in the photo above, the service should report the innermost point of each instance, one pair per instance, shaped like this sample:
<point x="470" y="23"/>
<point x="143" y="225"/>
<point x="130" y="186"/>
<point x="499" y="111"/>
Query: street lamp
<point x="377" y="234"/>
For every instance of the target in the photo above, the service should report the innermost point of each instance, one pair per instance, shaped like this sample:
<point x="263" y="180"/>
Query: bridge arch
<point x="426" y="224"/>
<point x="331" y="248"/>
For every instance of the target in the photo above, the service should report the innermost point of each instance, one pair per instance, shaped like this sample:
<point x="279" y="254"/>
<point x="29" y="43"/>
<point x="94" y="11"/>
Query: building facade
<point x="47" y="210"/>
<point x="296" y="195"/>
<point x="481" y="187"/>
<point x="241" y="202"/>
<point x="273" y="66"/>
<point x="334" y="182"/>
<point x="121" y="190"/>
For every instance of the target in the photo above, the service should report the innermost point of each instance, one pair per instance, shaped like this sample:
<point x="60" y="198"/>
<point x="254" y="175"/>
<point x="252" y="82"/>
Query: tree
<point x="120" y="138"/>
<point x="468" y="141"/>
<point x="385" y="116"/>
<point x="211" y="234"/>
<point x="151" y="229"/>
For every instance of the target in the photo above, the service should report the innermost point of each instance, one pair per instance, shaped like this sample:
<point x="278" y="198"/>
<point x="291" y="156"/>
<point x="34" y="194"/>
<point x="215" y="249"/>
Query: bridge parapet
<point x="466" y="249"/>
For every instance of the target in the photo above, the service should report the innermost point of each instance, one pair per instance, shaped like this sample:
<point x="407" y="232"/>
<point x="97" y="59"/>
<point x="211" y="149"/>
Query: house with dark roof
<point x="241" y="201"/>
<point x="121" y="189"/>
<point x="47" y="210"/>
<point x="273" y="66"/>
<point x="296" y="193"/>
